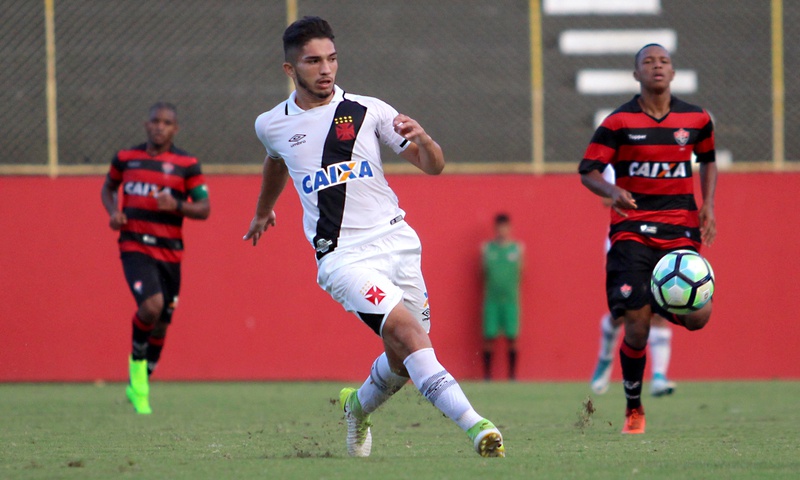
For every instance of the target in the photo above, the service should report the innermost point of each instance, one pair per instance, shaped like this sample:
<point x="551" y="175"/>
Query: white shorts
<point x="371" y="279"/>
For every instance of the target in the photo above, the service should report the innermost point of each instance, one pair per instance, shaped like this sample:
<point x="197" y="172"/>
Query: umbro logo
<point x="297" y="139"/>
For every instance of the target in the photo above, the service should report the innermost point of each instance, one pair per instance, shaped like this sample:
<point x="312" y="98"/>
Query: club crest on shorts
<point x="137" y="286"/>
<point x="626" y="290"/>
<point x="374" y="295"/>
<point x="344" y="128"/>
<point x="681" y="136"/>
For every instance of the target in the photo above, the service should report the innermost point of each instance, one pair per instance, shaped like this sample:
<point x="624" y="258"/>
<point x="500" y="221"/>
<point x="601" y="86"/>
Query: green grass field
<point x="295" y="430"/>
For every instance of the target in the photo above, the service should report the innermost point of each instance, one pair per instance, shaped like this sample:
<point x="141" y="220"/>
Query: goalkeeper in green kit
<point x="502" y="266"/>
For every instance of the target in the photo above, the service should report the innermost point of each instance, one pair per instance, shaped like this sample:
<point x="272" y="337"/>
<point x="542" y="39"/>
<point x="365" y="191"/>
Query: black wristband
<point x="179" y="205"/>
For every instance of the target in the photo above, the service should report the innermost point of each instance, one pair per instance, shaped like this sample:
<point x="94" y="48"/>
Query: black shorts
<point x="147" y="276"/>
<point x="629" y="265"/>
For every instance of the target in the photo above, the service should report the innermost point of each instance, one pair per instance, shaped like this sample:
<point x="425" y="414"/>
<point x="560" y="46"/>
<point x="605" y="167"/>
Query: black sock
<point x="633" y="362"/>
<point x="487" y="365"/>
<point x="141" y="332"/>
<point x="512" y="364"/>
<point x="154" y="347"/>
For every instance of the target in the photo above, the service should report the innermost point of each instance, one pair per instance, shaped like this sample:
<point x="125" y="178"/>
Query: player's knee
<point x="693" y="323"/>
<point x="151" y="309"/>
<point x="699" y="319"/>
<point x="637" y="327"/>
<point x="403" y="334"/>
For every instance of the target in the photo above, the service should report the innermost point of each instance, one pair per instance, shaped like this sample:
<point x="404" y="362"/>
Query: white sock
<point x="660" y="341"/>
<point x="609" y="335"/>
<point x="381" y="384"/>
<point x="440" y="388"/>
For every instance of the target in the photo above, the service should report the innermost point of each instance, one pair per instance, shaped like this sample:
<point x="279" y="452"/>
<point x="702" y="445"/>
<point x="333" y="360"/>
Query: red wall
<point x="256" y="313"/>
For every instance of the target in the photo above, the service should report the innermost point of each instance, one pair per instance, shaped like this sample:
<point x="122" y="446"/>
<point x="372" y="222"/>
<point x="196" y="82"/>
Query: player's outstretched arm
<point x="708" y="184"/>
<point x="621" y="200"/>
<point x="424" y="152"/>
<point x="275" y="175"/>
<point x="108" y="195"/>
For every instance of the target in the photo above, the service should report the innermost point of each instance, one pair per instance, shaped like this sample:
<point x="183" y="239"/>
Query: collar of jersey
<point x="293" y="109"/>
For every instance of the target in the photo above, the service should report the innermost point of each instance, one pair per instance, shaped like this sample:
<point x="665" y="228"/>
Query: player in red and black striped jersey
<point x="649" y="141"/>
<point x="160" y="186"/>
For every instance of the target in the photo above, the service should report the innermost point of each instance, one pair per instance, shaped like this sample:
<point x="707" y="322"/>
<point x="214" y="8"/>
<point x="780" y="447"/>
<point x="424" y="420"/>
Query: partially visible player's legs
<point x="633" y="360"/>
<point x="381" y="384"/>
<point x="609" y="337"/>
<point x="170" y="281"/>
<point x="144" y="321"/>
<point x="660" y="343"/>
<point x="155" y="286"/>
<point x="409" y="350"/>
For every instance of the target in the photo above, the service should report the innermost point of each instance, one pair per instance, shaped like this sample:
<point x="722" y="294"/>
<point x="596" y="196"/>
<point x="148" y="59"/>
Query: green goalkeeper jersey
<point x="502" y="264"/>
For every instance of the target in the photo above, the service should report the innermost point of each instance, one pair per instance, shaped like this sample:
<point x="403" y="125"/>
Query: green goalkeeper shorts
<point x="500" y="317"/>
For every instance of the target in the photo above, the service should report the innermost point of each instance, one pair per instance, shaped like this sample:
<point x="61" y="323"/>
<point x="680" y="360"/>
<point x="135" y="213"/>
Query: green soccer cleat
<point x="359" y="436"/>
<point x="138" y="390"/>
<point x="487" y="439"/>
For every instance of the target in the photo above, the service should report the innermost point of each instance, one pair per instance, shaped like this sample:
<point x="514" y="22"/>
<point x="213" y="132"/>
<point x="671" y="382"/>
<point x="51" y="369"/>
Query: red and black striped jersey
<point x="151" y="231"/>
<point x="652" y="160"/>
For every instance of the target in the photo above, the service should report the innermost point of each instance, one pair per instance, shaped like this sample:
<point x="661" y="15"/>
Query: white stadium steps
<point x="602" y="7"/>
<point x="615" y="82"/>
<point x="614" y="42"/>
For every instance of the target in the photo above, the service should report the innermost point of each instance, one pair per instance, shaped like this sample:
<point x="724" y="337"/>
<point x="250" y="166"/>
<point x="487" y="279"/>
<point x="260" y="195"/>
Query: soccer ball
<point x="682" y="282"/>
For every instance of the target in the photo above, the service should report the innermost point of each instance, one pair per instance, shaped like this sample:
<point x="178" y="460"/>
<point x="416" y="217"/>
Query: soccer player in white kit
<point x="659" y="340"/>
<point x="368" y="257"/>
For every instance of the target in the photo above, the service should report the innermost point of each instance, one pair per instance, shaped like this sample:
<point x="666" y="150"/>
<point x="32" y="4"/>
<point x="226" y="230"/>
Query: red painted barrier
<point x="256" y="313"/>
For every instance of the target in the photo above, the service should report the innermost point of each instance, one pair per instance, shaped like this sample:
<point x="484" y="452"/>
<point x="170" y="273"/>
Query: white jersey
<point x="333" y="156"/>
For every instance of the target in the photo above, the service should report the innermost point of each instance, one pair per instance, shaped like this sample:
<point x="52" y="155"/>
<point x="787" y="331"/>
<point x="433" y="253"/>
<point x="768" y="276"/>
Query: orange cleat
<point x="634" y="421"/>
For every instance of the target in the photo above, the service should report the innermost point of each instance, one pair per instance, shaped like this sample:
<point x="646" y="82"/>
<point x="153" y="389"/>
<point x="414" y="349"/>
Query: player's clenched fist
<point x="117" y="220"/>
<point x="410" y="129"/>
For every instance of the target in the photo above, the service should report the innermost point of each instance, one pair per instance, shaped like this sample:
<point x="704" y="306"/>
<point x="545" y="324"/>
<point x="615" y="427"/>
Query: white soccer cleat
<point x="661" y="386"/>
<point x="487" y="439"/>
<point x="359" y="436"/>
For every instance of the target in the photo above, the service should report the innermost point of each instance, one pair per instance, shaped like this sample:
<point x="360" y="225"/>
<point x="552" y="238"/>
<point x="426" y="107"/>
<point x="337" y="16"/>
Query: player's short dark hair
<point x="163" y="106"/>
<point x="502" y="218"/>
<point x="636" y="57"/>
<point x="300" y="32"/>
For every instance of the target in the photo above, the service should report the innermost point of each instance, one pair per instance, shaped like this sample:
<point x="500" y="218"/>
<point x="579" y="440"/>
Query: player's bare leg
<point x="411" y="354"/>
<point x="633" y="360"/>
